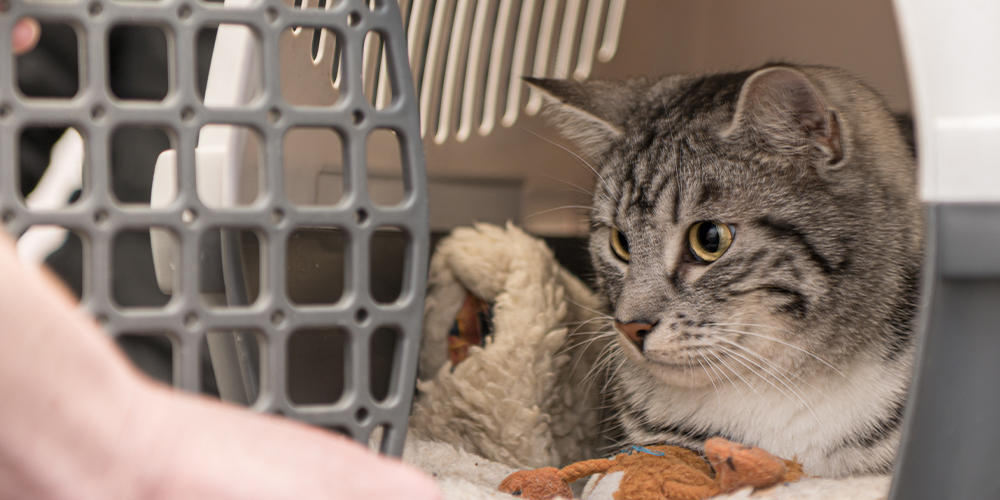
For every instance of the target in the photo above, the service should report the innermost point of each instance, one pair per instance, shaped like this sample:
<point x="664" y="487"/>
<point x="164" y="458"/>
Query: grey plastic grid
<point x="97" y="218"/>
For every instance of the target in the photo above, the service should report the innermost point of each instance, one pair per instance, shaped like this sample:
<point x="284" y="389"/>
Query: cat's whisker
<point x="603" y="362"/>
<point x="602" y="324"/>
<point x="580" y="158"/>
<point x="564" y="181"/>
<point x="731" y="382"/>
<point x="582" y="347"/>
<point x="584" y="339"/>
<point x="581" y="306"/>
<point x="585" y="344"/>
<point x="583" y="322"/>
<point x="715" y="369"/>
<point x="579" y="348"/>
<point x="772" y="384"/>
<point x="710" y="379"/>
<point x="601" y="327"/>
<point x="550" y="141"/>
<point x="691" y="375"/>
<point x="782" y="342"/>
<point x="734" y="372"/>
<point x="775" y="386"/>
<point x="612" y="375"/>
<point x="787" y="373"/>
<point x="589" y="338"/>
<point x="775" y="328"/>
<point x="597" y="314"/>
<point x="589" y="155"/>
<point x="609" y="352"/>
<point x="783" y="379"/>
<point x="604" y="356"/>
<point x="616" y="444"/>
<point x="588" y="383"/>
<point x="564" y="207"/>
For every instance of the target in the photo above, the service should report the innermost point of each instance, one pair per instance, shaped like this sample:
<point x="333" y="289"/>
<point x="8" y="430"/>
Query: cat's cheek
<point x="611" y="280"/>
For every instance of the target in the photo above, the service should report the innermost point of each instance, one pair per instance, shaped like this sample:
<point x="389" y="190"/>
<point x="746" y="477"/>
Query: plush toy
<point x="659" y="472"/>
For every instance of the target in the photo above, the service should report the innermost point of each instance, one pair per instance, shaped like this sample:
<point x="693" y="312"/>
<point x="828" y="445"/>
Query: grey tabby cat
<point x="759" y="238"/>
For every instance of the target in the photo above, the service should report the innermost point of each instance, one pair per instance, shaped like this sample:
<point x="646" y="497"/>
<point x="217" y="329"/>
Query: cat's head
<point x="743" y="217"/>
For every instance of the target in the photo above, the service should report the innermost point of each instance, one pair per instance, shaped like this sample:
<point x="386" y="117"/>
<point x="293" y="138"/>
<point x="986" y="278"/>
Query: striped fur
<point x="797" y="340"/>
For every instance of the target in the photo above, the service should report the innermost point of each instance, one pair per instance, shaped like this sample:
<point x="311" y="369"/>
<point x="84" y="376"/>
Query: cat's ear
<point x="588" y="113"/>
<point x="780" y="108"/>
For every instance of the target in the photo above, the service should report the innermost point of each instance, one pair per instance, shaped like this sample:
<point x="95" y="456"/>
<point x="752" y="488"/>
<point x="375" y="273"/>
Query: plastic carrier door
<point x="211" y="194"/>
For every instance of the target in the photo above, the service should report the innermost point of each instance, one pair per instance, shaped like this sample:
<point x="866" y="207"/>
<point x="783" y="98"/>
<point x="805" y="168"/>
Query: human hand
<point x="182" y="447"/>
<point x="79" y="422"/>
<point x="117" y="434"/>
<point x="25" y="35"/>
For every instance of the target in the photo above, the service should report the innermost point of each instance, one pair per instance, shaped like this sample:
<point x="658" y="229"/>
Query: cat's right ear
<point x="781" y="109"/>
<point x="591" y="114"/>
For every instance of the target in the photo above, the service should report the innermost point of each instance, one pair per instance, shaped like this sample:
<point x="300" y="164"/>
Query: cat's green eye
<point x="619" y="245"/>
<point x="709" y="240"/>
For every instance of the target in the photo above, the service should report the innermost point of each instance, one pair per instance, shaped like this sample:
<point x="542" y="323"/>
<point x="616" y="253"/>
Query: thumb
<point x="25" y="35"/>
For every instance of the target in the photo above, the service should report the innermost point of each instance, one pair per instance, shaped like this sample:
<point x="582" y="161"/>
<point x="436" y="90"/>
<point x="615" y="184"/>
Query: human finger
<point x="25" y="35"/>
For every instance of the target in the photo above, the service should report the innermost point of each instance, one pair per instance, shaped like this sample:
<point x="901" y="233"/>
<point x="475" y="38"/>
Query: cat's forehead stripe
<point x="669" y="177"/>
<point x="677" y="202"/>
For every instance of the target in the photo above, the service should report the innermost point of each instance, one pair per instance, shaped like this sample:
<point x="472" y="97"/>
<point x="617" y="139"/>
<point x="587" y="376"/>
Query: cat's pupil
<point x="709" y="237"/>
<point x="623" y="241"/>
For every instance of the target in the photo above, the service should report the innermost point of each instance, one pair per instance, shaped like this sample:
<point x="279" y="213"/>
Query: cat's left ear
<point x="780" y="108"/>
<point x="589" y="113"/>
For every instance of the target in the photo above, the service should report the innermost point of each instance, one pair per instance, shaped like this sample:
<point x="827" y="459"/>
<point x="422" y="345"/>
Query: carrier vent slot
<point x="468" y="56"/>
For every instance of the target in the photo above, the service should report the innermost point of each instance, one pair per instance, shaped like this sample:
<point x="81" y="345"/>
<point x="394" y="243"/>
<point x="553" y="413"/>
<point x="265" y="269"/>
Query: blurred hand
<point x="25" y="35"/>
<point x="78" y="421"/>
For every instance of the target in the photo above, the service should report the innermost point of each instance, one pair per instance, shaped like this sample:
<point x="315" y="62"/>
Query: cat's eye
<point x="619" y="245"/>
<point x="709" y="240"/>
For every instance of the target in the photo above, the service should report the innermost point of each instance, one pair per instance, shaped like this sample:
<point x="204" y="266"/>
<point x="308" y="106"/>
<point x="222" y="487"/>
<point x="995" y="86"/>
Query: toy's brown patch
<point x="737" y="466"/>
<point x="664" y="472"/>
<point x="473" y="324"/>
<point x="537" y="484"/>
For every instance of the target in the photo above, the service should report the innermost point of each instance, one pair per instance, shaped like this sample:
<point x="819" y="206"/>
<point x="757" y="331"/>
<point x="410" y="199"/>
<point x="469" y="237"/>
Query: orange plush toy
<point x="660" y="473"/>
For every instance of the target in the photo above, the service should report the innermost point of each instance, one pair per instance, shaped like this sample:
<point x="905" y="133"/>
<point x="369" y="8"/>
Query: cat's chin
<point x="685" y="373"/>
<point x="679" y="375"/>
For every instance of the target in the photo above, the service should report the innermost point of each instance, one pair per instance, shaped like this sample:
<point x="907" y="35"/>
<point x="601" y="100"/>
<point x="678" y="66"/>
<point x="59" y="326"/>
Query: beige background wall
<point x="662" y="37"/>
<point x="697" y="36"/>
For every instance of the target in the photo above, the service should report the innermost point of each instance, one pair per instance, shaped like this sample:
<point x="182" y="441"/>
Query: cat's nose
<point x="635" y="331"/>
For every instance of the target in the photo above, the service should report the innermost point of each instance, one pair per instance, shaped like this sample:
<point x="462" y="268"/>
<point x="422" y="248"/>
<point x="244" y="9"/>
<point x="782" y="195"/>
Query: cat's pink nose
<point x="635" y="332"/>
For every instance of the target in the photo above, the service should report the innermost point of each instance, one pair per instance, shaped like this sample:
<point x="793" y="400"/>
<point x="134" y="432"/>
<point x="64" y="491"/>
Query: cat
<point x="758" y="238"/>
